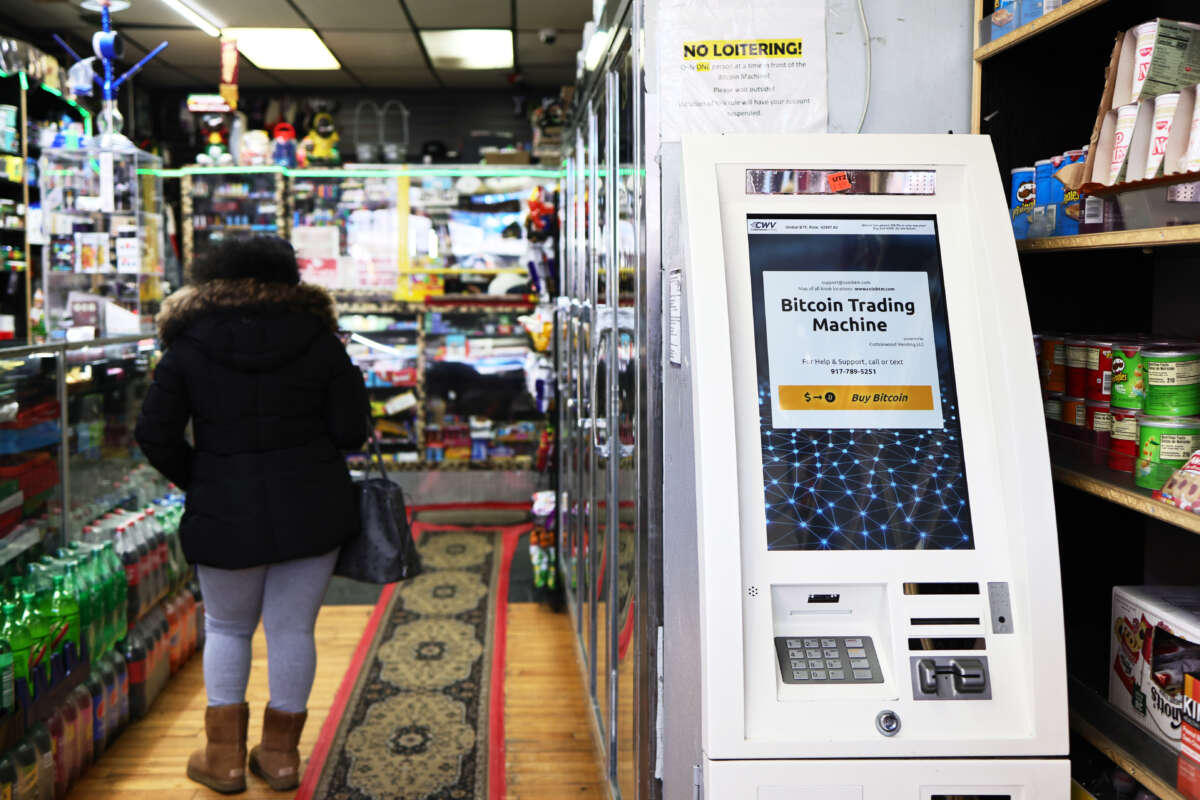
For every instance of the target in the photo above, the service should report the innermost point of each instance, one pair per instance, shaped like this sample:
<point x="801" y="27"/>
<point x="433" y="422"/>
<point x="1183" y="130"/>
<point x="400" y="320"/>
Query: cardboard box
<point x="509" y="157"/>
<point x="1190" y="732"/>
<point x="1174" y="67"/>
<point x="1155" y="641"/>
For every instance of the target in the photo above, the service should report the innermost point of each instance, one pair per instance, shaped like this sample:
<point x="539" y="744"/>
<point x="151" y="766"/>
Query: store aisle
<point x="548" y="752"/>
<point x="147" y="761"/>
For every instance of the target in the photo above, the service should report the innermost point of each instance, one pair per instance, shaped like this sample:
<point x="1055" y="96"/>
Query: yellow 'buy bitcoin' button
<point x="851" y="398"/>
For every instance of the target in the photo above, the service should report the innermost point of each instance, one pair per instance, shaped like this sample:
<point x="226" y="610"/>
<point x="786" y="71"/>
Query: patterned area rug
<point x="419" y="715"/>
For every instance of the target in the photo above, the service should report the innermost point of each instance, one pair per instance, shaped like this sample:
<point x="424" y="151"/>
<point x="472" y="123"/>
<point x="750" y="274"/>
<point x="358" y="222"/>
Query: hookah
<point x="108" y="46"/>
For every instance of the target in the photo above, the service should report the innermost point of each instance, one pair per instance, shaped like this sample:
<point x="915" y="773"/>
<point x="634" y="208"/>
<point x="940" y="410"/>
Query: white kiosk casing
<point x="964" y="676"/>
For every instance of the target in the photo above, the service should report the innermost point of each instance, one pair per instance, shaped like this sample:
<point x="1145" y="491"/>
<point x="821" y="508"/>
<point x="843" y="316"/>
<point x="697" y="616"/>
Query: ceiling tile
<point x="358" y="49"/>
<point x="346" y="14"/>
<point x="460" y="13"/>
<point x="42" y="16"/>
<point x="399" y="78"/>
<point x="243" y="14"/>
<point x="531" y="51"/>
<point x="184" y="47"/>
<point x="566" y="15"/>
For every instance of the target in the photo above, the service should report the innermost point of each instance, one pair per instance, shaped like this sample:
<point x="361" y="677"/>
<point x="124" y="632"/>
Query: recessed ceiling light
<point x="470" y="48"/>
<point x="198" y="17"/>
<point x="283" y="48"/>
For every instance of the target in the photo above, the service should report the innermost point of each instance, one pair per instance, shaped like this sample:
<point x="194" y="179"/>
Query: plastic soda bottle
<point x="25" y="761"/>
<point x="8" y="778"/>
<point x="37" y="621"/>
<point x="64" y="609"/>
<point x="43" y="744"/>
<point x="8" y="697"/>
<point x="19" y="640"/>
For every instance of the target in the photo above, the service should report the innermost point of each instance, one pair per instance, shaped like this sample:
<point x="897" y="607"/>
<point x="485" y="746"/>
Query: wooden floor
<point x="549" y="748"/>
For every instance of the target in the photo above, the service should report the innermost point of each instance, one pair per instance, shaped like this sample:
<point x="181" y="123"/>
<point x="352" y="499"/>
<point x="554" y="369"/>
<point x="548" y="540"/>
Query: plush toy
<point x="542" y="222"/>
<point x="256" y="149"/>
<point x="283" y="150"/>
<point x="321" y="143"/>
<point x="216" y="134"/>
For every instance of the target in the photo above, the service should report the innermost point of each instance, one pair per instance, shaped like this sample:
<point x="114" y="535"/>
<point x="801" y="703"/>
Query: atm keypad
<point x="828" y="660"/>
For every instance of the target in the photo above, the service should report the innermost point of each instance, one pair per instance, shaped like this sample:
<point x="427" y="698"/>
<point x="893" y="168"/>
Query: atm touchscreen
<point x="861" y="438"/>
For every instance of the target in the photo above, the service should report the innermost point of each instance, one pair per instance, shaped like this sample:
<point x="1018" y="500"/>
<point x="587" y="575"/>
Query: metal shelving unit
<point x="1148" y="761"/>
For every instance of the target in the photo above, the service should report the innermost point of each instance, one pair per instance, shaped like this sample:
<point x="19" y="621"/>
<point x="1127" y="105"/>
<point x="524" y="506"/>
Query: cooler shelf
<point x="1116" y="487"/>
<point x="1143" y="237"/>
<point x="1131" y="748"/>
<point x="1040" y="25"/>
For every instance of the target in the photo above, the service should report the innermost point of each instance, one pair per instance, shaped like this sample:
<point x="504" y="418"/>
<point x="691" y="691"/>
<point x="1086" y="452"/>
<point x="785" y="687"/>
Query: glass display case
<point x="103" y="263"/>
<point x="222" y="202"/>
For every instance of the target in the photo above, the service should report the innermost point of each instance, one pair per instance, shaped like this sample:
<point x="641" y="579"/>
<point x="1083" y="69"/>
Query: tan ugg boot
<point x="277" y="759"/>
<point x="221" y="765"/>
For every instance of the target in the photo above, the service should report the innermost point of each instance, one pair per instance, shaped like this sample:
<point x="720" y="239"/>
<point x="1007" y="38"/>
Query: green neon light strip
<point x="87" y="122"/>
<point x="395" y="172"/>
<point x="425" y="172"/>
<point x="3" y="74"/>
<point x="24" y="81"/>
<point x="231" y="170"/>
<point x="51" y="90"/>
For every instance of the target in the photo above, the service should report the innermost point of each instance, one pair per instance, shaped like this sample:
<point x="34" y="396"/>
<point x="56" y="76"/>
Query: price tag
<point x="838" y="182"/>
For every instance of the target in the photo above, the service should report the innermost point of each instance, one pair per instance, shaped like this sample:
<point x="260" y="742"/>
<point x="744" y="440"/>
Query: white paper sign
<point x="316" y="241"/>
<point x="753" y="66"/>
<point x="851" y="350"/>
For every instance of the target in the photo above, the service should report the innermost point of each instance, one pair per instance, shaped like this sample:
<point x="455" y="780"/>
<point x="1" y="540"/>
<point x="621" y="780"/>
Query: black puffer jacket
<point x="273" y="399"/>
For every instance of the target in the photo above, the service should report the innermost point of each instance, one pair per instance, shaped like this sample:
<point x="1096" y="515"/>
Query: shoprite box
<point x="1155" y="641"/>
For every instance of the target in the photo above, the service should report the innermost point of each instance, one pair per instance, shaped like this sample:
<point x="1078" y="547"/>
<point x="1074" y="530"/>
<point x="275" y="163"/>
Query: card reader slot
<point x="944" y="620"/>
<point x="941" y="588"/>
<point x="946" y="643"/>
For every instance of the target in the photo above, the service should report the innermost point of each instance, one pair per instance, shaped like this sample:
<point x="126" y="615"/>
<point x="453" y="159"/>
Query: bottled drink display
<point x="90" y="632"/>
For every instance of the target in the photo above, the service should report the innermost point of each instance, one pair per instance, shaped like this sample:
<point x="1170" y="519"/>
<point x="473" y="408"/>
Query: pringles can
<point x="1098" y="378"/>
<point x="1076" y="367"/>
<point x="1023" y="200"/>
<point x="1054" y="362"/>
<point x="1172" y="380"/>
<point x="1128" y="379"/>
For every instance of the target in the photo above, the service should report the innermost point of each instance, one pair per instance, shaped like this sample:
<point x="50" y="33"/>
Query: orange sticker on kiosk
<point x="856" y="398"/>
<point x="838" y="182"/>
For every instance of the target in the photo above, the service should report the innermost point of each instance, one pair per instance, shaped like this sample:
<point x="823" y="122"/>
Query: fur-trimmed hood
<point x="187" y="305"/>
<point x="248" y="323"/>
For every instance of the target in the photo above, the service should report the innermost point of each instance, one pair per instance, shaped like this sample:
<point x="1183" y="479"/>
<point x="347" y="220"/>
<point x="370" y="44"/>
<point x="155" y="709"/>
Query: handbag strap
<point x="376" y="458"/>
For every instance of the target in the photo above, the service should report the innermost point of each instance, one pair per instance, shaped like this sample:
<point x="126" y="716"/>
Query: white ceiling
<point x="373" y="39"/>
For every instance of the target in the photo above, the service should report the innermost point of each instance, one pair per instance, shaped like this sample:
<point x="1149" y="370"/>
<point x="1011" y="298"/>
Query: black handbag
<point x="384" y="550"/>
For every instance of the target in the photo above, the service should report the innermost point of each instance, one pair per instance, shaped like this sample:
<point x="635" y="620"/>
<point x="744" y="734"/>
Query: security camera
<point x="548" y="35"/>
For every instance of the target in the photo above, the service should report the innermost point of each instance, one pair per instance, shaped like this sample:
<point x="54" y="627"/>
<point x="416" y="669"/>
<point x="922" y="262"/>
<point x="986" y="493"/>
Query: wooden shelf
<point x="1071" y="465"/>
<point x="1130" y="747"/>
<point x="1144" y="237"/>
<point x="1070" y="9"/>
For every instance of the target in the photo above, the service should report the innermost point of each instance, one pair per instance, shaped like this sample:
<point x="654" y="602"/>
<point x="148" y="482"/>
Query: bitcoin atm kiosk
<point x="880" y="607"/>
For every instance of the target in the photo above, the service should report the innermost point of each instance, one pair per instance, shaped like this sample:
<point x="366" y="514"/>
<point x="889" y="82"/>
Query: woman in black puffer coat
<point x="252" y="362"/>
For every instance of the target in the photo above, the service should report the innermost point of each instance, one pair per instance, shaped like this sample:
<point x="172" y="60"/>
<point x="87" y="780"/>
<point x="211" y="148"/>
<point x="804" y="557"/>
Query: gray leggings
<point x="287" y="596"/>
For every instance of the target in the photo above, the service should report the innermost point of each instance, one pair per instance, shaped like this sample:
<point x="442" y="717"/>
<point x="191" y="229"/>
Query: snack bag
<point x="1183" y="488"/>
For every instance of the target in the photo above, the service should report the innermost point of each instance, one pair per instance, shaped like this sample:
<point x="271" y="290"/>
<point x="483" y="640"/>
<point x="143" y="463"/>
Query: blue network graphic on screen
<point x="867" y="489"/>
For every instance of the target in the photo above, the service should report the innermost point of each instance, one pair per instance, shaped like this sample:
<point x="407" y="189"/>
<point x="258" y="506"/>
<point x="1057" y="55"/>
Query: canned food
<point x="1099" y="369"/>
<point x="1074" y="411"/>
<point x="1164" y="444"/>
<point x="1054" y="362"/>
<point x="1099" y="429"/>
<point x="1123" y="440"/>
<point x="1052" y="404"/>
<point x="1128" y="378"/>
<point x="1076" y="367"/>
<point x="1172" y="381"/>
<point x="1024" y="198"/>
